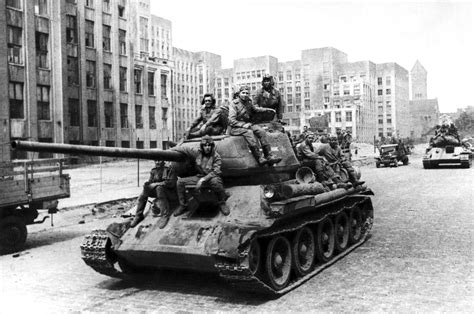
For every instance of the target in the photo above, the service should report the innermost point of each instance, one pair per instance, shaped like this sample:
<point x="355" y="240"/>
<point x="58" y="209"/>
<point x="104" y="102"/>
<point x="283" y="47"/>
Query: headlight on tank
<point x="464" y="157"/>
<point x="268" y="192"/>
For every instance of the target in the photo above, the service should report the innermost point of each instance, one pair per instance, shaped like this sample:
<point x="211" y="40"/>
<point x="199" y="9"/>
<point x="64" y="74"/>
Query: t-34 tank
<point x="279" y="232"/>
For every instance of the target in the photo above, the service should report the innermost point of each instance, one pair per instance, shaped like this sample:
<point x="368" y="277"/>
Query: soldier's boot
<point x="340" y="184"/>
<point x="183" y="205"/>
<point x="180" y="210"/>
<point x="155" y="208"/>
<point x="353" y="178"/>
<point x="272" y="159"/>
<point x="224" y="208"/>
<point x="139" y="212"/>
<point x="258" y="155"/>
<point x="165" y="213"/>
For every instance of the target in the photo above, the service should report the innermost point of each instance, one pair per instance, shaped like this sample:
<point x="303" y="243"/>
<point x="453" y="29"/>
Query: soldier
<point x="269" y="97"/>
<point x="333" y="153"/>
<point x="219" y="120"/>
<point x="159" y="176"/>
<point x="240" y="117"/>
<point x="324" y="173"/>
<point x="200" y="125"/>
<point x="208" y="168"/>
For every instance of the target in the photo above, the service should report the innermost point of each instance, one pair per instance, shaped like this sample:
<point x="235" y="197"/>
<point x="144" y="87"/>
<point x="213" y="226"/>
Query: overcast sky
<point x="437" y="33"/>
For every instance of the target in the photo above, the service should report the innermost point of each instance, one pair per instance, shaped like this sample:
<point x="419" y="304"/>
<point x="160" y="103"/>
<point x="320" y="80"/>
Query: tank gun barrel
<point x="152" y="154"/>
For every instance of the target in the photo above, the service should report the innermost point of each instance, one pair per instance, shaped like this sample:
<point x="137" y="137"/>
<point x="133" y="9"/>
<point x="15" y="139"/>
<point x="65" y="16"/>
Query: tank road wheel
<point x="278" y="262"/>
<point x="12" y="234"/>
<point x="341" y="226"/>
<point x="355" y="230"/>
<point x="254" y="257"/>
<point x="377" y="164"/>
<point x="325" y="240"/>
<point x="303" y="251"/>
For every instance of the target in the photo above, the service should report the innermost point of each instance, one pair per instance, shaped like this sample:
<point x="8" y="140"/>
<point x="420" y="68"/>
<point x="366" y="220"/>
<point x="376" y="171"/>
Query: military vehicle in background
<point x="25" y="188"/>
<point x="319" y="126"/>
<point x="445" y="148"/>
<point x="280" y="231"/>
<point x="390" y="155"/>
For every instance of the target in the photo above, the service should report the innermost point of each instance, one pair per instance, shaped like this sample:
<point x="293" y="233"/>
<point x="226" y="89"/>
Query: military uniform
<point x="335" y="155"/>
<point x="270" y="99"/>
<point x="196" y="130"/>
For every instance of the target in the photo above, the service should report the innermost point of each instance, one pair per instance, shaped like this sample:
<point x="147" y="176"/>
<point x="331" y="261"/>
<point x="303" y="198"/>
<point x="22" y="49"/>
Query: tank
<point x="283" y="228"/>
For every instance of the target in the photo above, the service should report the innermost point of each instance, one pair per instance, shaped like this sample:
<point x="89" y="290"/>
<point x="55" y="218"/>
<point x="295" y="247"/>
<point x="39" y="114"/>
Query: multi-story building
<point x="393" y="119"/>
<point x="224" y="86"/>
<point x="194" y="74"/>
<point x="250" y="71"/>
<point x="424" y="112"/>
<point x="85" y="71"/>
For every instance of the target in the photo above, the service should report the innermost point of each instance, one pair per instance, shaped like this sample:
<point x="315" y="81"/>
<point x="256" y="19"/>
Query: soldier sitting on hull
<point x="324" y="173"/>
<point x="333" y="153"/>
<point x="161" y="185"/>
<point x="201" y="125"/>
<point x="208" y="168"/>
<point x="240" y="116"/>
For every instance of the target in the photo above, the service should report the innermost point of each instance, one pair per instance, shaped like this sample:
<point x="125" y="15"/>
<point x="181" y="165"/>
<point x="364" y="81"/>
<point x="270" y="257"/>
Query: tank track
<point x="241" y="278"/>
<point x="95" y="253"/>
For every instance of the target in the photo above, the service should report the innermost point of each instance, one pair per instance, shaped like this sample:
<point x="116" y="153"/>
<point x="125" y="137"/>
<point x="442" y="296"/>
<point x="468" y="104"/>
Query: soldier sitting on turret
<point x="269" y="97"/>
<point x="333" y="153"/>
<point x="162" y="186"/>
<point x="208" y="168"/>
<point x="324" y="173"/>
<point x="240" y="117"/>
<point x="204" y="124"/>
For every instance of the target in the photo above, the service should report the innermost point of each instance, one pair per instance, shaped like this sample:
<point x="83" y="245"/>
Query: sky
<point x="437" y="33"/>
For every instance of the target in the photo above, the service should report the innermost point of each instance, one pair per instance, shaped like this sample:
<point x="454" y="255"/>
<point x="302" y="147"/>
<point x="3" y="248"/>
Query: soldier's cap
<point x="308" y="134"/>
<point x="267" y="77"/>
<point x="244" y="87"/>
<point x="206" y="139"/>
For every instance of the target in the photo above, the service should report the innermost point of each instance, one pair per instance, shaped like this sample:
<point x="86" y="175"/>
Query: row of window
<point x="250" y="74"/>
<point x="388" y="80"/>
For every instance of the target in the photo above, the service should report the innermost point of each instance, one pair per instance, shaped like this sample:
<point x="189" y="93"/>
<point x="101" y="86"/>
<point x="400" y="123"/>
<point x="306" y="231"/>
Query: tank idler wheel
<point x="341" y="226"/>
<point x="12" y="234"/>
<point x="355" y="230"/>
<point x="303" y="251"/>
<point x="278" y="262"/>
<point x="325" y="240"/>
<point x="254" y="257"/>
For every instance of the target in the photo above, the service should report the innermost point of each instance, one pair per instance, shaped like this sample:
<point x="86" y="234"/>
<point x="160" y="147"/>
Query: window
<point x="121" y="8"/>
<point x="338" y="117"/>
<point x="109" y="114"/>
<point x="42" y="50"/>
<point x="380" y="121"/>
<point x="379" y="81"/>
<point x="42" y="98"/>
<point x="15" y="45"/>
<point x="143" y="34"/>
<point x="343" y="79"/>
<point x="89" y="3"/>
<point x="106" y="37"/>
<point x="307" y="104"/>
<point x="122" y="42"/>
<point x="123" y="79"/>
<point x="151" y="117"/>
<point x="14" y="4"/>
<point x="356" y="89"/>
<point x="126" y="144"/>
<point x="91" y="113"/>
<point x="348" y="116"/>
<point x="289" y="89"/>
<point x="151" y="83"/>
<point x="106" y="6"/>
<point x="123" y="115"/>
<point x="90" y="73"/>
<point x="164" y="115"/>
<point x="326" y="86"/>
<point x="138" y="117"/>
<point x="288" y="75"/>
<point x="388" y="91"/>
<point x="326" y="100"/>
<point x="15" y="94"/>
<point x="89" y="36"/>
<point x="138" y="81"/>
<point x="72" y="71"/>
<point x="296" y="122"/>
<point x="380" y="92"/>
<point x="164" y="95"/>
<point x="289" y="99"/>
<point x="71" y="29"/>
<point x="140" y="144"/>
<point x="41" y="7"/>
<point x="280" y="76"/>
<point x="289" y="108"/>
<point x="297" y="74"/>
<point x="153" y="144"/>
<point x="107" y="76"/>
<point x="388" y="80"/>
<point x="346" y="90"/>
<point x="74" y="112"/>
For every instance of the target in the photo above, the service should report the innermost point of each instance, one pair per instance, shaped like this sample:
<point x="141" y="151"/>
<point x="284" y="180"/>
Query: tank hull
<point x="447" y="156"/>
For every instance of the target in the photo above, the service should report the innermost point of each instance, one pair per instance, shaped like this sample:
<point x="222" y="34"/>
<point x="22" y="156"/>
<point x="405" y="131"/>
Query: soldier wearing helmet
<point x="333" y="153"/>
<point x="208" y="168"/>
<point x="208" y="121"/>
<point x="269" y="97"/>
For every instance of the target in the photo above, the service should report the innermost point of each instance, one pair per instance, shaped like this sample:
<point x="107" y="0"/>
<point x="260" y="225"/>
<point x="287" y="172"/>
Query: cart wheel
<point x="12" y="234"/>
<point x="278" y="262"/>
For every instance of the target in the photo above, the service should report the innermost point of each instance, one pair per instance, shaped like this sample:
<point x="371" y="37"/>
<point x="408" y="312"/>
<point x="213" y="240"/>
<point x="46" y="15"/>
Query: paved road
<point x="419" y="258"/>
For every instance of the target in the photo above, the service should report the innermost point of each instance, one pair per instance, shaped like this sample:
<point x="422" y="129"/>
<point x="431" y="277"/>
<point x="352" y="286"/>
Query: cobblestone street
<point x="419" y="258"/>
